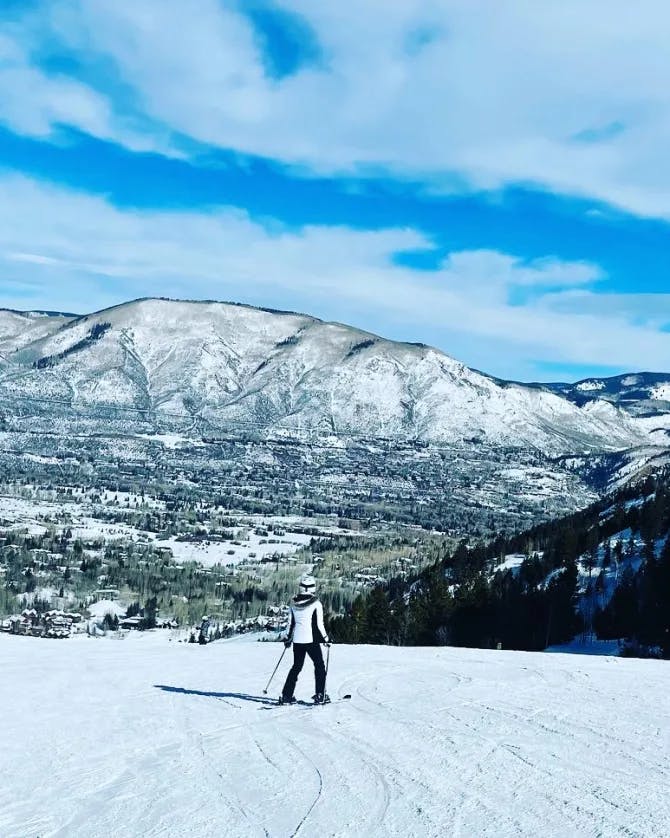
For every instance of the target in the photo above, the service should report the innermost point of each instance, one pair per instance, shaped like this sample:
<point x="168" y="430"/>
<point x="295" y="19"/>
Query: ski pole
<point x="325" y="677"/>
<point x="265" y="691"/>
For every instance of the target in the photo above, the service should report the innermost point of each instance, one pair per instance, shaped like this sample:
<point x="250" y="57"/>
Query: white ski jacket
<point x="306" y="624"/>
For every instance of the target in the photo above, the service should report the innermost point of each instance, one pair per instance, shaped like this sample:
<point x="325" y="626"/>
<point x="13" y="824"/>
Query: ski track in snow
<point x="155" y="738"/>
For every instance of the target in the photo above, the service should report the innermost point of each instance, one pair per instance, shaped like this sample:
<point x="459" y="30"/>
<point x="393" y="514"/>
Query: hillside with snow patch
<point x="640" y="394"/>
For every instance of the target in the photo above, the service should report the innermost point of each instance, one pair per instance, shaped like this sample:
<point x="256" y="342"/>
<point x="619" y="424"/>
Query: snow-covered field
<point x="36" y="516"/>
<point x="209" y="553"/>
<point x="145" y="737"/>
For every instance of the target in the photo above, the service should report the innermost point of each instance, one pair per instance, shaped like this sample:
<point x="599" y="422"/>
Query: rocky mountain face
<point x="277" y="410"/>
<point x="224" y="365"/>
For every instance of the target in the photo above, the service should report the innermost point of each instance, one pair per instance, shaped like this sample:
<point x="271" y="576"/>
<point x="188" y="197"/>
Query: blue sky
<point x="494" y="185"/>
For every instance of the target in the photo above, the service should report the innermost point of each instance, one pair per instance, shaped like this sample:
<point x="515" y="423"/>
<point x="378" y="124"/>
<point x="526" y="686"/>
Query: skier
<point x="306" y="632"/>
<point x="204" y="630"/>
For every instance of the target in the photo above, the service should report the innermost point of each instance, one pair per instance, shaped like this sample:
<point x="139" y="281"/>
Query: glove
<point x="328" y="643"/>
<point x="287" y="643"/>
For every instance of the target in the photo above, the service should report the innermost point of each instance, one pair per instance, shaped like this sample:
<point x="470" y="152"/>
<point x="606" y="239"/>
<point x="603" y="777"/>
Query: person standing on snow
<point x="203" y="636"/>
<point x="306" y="632"/>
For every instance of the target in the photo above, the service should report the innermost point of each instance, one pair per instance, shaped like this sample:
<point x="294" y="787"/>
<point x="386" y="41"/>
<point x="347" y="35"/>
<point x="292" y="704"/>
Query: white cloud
<point x="65" y="250"/>
<point x="572" y="96"/>
<point x="32" y="103"/>
<point x="36" y="104"/>
<point x="651" y="309"/>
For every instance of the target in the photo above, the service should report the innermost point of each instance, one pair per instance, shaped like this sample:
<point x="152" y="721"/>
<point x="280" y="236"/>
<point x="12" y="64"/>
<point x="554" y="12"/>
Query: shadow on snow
<point x="256" y="699"/>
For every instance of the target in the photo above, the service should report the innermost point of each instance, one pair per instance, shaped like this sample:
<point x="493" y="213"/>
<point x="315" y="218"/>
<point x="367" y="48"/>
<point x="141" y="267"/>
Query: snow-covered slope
<point x="644" y="396"/>
<point x="145" y="737"/>
<point x="228" y="364"/>
<point x="639" y="393"/>
<point x="19" y="329"/>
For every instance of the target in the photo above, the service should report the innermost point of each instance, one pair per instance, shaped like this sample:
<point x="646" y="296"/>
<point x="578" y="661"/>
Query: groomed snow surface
<point x="145" y="737"/>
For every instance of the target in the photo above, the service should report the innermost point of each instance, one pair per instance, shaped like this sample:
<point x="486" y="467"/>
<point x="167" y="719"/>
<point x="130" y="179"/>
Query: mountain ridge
<point x="554" y="386"/>
<point x="634" y="390"/>
<point x="222" y="363"/>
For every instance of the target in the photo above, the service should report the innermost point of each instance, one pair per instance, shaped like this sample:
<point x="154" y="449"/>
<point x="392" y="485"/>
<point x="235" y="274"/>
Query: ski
<point x="332" y="700"/>
<point x="306" y="704"/>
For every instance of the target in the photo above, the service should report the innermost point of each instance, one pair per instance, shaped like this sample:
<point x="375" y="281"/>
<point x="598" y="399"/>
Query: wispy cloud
<point x="569" y="96"/>
<point x="80" y="252"/>
<point x="649" y="309"/>
<point x="37" y="103"/>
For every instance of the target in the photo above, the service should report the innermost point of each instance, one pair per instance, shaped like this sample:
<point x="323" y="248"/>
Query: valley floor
<point x="145" y="737"/>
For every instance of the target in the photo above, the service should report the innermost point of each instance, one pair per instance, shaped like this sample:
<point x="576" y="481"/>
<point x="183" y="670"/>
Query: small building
<point x="131" y="622"/>
<point x="106" y="593"/>
<point x="166" y="623"/>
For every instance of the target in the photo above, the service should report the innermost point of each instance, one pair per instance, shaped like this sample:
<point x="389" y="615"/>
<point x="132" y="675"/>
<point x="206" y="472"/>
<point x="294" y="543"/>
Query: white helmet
<point x="307" y="584"/>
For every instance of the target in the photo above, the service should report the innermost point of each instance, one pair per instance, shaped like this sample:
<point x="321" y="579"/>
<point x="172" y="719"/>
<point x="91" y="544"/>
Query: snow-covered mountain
<point x="227" y="365"/>
<point x="644" y="393"/>
<point x="19" y="329"/>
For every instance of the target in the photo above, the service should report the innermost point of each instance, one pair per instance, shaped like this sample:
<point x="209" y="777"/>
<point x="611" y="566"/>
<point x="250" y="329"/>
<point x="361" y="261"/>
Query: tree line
<point x="462" y="600"/>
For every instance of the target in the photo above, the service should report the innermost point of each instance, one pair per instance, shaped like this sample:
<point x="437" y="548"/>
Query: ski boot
<point x="321" y="698"/>
<point x="286" y="700"/>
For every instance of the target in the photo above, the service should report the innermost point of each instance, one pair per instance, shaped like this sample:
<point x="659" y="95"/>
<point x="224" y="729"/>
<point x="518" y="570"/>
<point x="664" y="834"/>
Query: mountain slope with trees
<point x="601" y="573"/>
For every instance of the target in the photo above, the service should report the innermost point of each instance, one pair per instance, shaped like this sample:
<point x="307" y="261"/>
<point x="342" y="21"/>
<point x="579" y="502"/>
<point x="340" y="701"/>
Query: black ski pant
<point x="299" y="652"/>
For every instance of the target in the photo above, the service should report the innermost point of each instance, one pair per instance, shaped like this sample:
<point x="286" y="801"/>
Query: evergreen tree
<point x="563" y="621"/>
<point x="429" y="611"/>
<point x="149" y="613"/>
<point x="381" y="623"/>
<point x="473" y="618"/>
<point x="110" y="622"/>
<point x="620" y="618"/>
